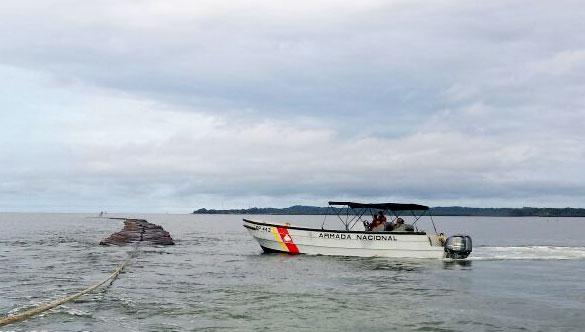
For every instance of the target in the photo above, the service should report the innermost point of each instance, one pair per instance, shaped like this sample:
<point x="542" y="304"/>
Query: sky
<point x="170" y="106"/>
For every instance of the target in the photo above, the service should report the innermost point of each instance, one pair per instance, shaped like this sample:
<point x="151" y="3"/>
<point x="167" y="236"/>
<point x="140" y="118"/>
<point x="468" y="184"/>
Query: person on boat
<point x="378" y="222"/>
<point x="400" y="226"/>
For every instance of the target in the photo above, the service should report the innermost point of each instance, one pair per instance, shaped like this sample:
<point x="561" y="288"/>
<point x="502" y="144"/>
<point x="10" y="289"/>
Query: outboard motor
<point x="458" y="246"/>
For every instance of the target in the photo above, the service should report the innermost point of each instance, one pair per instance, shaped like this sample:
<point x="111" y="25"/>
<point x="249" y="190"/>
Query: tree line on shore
<point x="435" y="211"/>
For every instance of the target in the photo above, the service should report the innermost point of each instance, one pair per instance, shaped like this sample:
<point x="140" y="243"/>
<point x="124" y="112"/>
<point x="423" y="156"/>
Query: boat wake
<point x="527" y="253"/>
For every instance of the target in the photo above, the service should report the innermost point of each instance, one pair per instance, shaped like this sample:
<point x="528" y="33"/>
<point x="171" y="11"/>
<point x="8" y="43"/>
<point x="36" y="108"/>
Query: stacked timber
<point x="139" y="230"/>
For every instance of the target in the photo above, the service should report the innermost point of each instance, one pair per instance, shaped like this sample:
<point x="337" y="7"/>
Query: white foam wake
<point x="527" y="253"/>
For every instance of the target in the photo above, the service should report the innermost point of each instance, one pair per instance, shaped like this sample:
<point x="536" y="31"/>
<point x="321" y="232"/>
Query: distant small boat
<point x="398" y="240"/>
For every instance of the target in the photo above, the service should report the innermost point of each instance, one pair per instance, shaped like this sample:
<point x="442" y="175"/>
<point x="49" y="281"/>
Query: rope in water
<point x="44" y="307"/>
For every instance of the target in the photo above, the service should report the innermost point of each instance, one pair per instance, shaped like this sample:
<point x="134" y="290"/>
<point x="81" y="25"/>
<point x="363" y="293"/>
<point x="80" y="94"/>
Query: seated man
<point x="400" y="226"/>
<point x="379" y="222"/>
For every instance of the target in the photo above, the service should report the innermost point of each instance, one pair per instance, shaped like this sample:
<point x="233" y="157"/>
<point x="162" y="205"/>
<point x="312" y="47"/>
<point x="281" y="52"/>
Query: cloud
<point x="324" y="58"/>
<point x="151" y="105"/>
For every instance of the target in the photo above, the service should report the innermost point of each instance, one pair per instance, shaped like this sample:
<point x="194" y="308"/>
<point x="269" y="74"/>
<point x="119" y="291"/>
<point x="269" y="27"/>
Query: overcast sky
<point x="169" y="106"/>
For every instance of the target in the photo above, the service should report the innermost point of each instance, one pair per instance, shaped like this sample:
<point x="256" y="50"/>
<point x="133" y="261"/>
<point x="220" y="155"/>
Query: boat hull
<point x="298" y="240"/>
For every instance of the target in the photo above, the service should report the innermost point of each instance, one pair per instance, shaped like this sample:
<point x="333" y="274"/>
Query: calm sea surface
<point x="524" y="274"/>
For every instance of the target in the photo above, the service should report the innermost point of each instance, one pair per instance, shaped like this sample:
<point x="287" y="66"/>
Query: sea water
<point x="525" y="274"/>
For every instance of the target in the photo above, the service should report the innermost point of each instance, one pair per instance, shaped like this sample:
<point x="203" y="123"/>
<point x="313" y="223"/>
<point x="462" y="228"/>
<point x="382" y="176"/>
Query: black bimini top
<point x="383" y="206"/>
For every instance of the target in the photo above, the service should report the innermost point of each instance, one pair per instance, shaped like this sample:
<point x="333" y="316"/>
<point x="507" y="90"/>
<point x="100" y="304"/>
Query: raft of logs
<point x="139" y="230"/>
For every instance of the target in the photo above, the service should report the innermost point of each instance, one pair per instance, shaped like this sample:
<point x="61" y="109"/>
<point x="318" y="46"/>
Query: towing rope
<point x="44" y="307"/>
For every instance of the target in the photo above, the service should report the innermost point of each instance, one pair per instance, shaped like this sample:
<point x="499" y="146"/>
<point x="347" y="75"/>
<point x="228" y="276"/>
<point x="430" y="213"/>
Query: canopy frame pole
<point x="325" y="217"/>
<point x="346" y="218"/>
<point x="338" y="214"/>
<point x="416" y="218"/>
<point x="355" y="216"/>
<point x="433" y="222"/>
<point x="349" y="220"/>
<point x="345" y="222"/>
<point x="395" y="213"/>
<point x="362" y="212"/>
<point x="371" y="210"/>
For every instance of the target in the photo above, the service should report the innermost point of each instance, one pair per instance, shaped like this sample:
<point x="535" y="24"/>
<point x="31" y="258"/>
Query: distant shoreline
<point x="435" y="211"/>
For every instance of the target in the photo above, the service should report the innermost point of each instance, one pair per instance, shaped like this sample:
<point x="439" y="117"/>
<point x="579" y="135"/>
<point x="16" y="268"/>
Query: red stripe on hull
<point x="287" y="240"/>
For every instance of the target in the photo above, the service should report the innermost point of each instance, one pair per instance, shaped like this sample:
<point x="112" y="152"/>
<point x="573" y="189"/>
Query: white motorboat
<point x="405" y="241"/>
